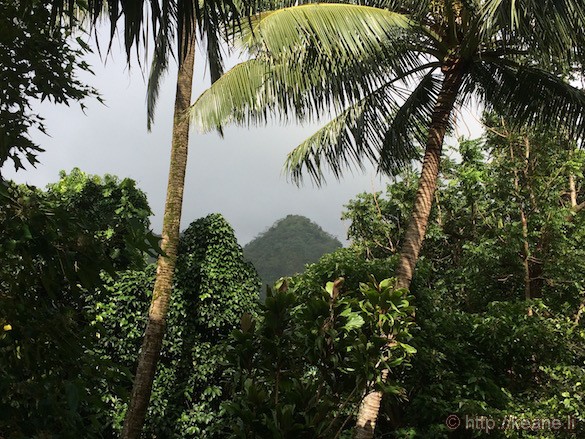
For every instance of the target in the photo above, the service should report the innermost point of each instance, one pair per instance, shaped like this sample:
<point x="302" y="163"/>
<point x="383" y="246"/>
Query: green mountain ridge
<point x="287" y="246"/>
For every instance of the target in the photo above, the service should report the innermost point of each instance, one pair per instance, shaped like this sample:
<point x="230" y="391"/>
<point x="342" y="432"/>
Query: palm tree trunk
<point x="413" y="238"/>
<point x="368" y="414"/>
<point x="415" y="233"/>
<point x="155" y="328"/>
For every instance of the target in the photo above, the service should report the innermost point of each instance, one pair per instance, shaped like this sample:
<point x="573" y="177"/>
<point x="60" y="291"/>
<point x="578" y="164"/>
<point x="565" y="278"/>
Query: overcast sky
<point x="239" y="176"/>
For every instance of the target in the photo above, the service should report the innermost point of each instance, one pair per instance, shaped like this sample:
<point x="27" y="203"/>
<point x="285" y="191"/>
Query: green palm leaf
<point x="529" y="96"/>
<point x="319" y="71"/>
<point x="255" y="90"/>
<point x="551" y="28"/>
<point x="240" y="96"/>
<point x="409" y="125"/>
<point x="349" y="139"/>
<point x="382" y="128"/>
<point x="341" y="31"/>
<point x="315" y="59"/>
<point x="160" y="62"/>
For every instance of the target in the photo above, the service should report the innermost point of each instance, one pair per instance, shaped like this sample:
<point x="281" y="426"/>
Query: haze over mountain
<point x="287" y="246"/>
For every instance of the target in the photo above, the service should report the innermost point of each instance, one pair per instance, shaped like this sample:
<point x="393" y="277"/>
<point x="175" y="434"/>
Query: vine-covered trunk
<point x="413" y="238"/>
<point x="155" y="328"/>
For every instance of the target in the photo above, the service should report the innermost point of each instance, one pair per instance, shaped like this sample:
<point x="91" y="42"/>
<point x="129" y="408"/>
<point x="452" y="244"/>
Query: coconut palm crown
<point x="378" y="66"/>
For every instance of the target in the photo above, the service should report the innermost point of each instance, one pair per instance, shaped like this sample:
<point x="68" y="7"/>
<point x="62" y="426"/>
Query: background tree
<point x="118" y="206"/>
<point x="53" y="254"/>
<point x="477" y="228"/>
<point x="38" y="61"/>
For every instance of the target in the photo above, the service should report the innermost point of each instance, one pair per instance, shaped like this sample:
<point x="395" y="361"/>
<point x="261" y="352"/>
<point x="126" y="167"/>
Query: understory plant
<point x="302" y="368"/>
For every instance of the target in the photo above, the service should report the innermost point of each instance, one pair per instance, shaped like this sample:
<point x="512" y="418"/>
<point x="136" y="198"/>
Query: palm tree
<point x="156" y="325"/>
<point x="393" y="74"/>
<point x="209" y="17"/>
<point x="173" y="21"/>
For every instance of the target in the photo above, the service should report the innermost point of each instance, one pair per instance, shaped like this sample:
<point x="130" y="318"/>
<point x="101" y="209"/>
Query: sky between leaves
<point x="239" y="176"/>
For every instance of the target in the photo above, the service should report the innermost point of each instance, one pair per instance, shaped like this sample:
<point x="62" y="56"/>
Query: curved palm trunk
<point x="413" y="238"/>
<point x="415" y="233"/>
<point x="155" y="328"/>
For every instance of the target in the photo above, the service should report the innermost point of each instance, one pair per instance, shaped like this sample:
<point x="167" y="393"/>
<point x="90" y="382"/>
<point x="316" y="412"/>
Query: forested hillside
<point x="286" y="247"/>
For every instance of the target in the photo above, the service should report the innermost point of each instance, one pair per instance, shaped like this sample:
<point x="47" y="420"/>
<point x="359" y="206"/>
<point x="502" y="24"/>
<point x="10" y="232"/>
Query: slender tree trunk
<point x="572" y="190"/>
<point x="155" y="328"/>
<point x="526" y="254"/>
<point x="413" y="238"/>
<point x="368" y="414"/>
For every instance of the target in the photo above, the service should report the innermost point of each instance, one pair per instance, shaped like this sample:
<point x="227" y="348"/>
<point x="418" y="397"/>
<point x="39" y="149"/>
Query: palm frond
<point x="254" y="90"/>
<point x="530" y="96"/>
<point x="131" y="13"/>
<point x="415" y="9"/>
<point x="213" y="17"/>
<point x="352" y="138"/>
<point x="383" y="129"/>
<point x="323" y="56"/>
<point x="409" y="125"/>
<point x="240" y="96"/>
<point x="158" y="67"/>
<point x="212" y="46"/>
<point x="304" y="87"/>
<point x="337" y="31"/>
<point x="550" y="28"/>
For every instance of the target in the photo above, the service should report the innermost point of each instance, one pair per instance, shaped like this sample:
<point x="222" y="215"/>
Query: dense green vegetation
<point x="213" y="288"/>
<point x="75" y="291"/>
<point x="489" y="337"/>
<point x="287" y="246"/>
<point x="303" y="367"/>
<point x="101" y="322"/>
<point x="499" y="293"/>
<point x="499" y="297"/>
<point x="499" y="304"/>
<point x="54" y="246"/>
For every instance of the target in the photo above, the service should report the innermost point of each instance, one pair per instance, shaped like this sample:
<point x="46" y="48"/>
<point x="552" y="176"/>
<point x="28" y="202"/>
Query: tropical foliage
<point x="377" y="67"/>
<point x="302" y="368"/>
<point x="117" y="205"/>
<point x="499" y="299"/>
<point x="499" y="292"/>
<point x="52" y="254"/>
<point x="213" y="288"/>
<point x="180" y="23"/>
<point x="70" y="336"/>
<point x="38" y="61"/>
